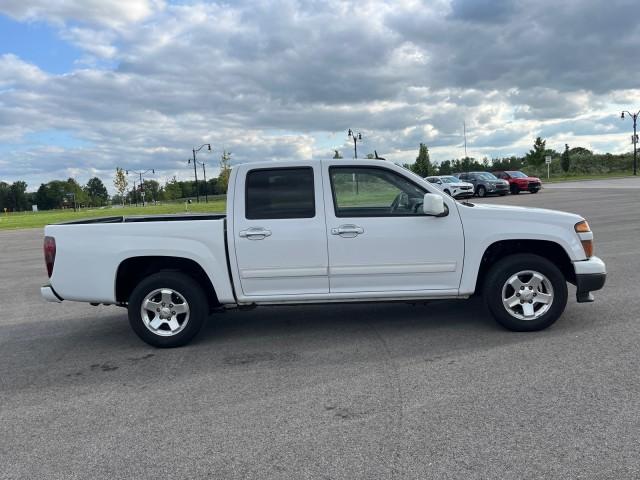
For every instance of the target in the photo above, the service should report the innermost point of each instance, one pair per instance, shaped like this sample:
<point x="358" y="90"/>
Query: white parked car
<point x="323" y="231"/>
<point x="452" y="186"/>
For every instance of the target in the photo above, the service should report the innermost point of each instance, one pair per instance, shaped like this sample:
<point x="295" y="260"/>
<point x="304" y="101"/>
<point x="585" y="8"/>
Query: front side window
<point x="280" y="193"/>
<point x="486" y="176"/>
<point x="450" y="179"/>
<point x="373" y="192"/>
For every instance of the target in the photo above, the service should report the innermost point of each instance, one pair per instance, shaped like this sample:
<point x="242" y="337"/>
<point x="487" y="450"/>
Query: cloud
<point x="285" y="79"/>
<point x="112" y="13"/>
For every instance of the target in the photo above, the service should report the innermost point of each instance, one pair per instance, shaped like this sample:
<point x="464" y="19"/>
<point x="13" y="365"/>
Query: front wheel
<point x="525" y="292"/>
<point x="167" y="309"/>
<point x="482" y="192"/>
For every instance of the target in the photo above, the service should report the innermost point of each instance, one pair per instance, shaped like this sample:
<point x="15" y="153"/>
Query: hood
<point x="534" y="216"/>
<point x="528" y="179"/>
<point x="459" y="184"/>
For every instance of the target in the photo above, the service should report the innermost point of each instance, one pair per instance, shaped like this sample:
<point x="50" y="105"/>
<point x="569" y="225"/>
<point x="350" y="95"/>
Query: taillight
<point x="49" y="254"/>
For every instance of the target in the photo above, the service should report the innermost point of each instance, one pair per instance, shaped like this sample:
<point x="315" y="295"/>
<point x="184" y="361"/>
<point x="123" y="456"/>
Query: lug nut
<point x="530" y="287"/>
<point x="171" y="305"/>
<point x="530" y="301"/>
<point x="522" y="288"/>
<point x="173" y="313"/>
<point x="535" y="294"/>
<point x="517" y="294"/>
<point x="163" y="304"/>
<point x="157" y="309"/>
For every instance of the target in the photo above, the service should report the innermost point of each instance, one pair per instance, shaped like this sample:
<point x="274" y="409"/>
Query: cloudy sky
<point x="88" y="85"/>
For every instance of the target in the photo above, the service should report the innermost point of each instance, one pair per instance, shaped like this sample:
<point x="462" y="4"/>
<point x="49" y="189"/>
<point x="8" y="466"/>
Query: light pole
<point x="356" y="137"/>
<point x="140" y="174"/>
<point x="634" y="139"/>
<point x="195" y="170"/>
<point x="354" y="178"/>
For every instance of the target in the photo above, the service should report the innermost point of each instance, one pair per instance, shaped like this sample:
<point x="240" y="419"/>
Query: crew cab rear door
<point x="279" y="230"/>
<point x="379" y="238"/>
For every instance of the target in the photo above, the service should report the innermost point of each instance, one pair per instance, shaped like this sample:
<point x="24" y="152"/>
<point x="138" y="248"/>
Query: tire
<point x="515" y="190"/>
<point x="547" y="301"/>
<point x="481" y="191"/>
<point x="502" y="194"/>
<point x="160" y="291"/>
<point x="534" y="191"/>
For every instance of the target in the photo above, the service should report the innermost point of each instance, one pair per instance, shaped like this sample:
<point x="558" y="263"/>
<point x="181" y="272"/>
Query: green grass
<point x="590" y="176"/>
<point x="13" y="221"/>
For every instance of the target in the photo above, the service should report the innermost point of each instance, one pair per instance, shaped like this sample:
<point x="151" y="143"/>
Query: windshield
<point x="517" y="174"/>
<point x="449" y="179"/>
<point x="486" y="176"/>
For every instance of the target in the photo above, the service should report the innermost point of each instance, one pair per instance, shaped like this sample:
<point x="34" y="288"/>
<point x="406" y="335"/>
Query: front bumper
<point x="591" y="275"/>
<point x="499" y="188"/>
<point x="49" y="294"/>
<point x="464" y="194"/>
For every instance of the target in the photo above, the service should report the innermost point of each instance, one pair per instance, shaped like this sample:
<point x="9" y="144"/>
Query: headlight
<point x="582" y="227"/>
<point x="587" y="244"/>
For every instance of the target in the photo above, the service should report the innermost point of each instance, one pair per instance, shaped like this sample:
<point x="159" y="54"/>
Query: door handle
<point x="347" y="231"/>
<point x="255" y="233"/>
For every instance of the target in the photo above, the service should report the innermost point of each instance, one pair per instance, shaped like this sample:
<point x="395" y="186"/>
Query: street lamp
<point x="195" y="170"/>
<point x="140" y="174"/>
<point x="634" y="139"/>
<point x="356" y="138"/>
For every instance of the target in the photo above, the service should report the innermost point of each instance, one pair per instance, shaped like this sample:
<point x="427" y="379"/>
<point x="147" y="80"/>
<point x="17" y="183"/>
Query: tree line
<point x="69" y="193"/>
<point x="61" y="194"/>
<point x="571" y="161"/>
<point x="54" y="194"/>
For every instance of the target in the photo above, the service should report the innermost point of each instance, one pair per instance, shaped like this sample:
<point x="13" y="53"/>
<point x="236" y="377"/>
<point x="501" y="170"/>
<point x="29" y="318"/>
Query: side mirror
<point x="434" y="205"/>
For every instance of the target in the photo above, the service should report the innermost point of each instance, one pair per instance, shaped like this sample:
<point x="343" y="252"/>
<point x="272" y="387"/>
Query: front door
<point x="379" y="238"/>
<point x="279" y="231"/>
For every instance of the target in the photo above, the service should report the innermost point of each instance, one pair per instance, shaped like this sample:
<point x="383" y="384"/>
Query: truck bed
<point x="89" y="252"/>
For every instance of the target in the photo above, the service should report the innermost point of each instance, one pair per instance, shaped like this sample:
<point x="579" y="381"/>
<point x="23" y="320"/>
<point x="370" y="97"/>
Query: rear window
<point x="280" y="193"/>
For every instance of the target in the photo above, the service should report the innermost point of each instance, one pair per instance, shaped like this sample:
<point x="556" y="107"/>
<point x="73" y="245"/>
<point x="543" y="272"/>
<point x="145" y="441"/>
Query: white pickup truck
<point x="323" y="231"/>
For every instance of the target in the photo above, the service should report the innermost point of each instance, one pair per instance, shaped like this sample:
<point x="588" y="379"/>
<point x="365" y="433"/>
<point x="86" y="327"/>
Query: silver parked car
<point x="452" y="186"/>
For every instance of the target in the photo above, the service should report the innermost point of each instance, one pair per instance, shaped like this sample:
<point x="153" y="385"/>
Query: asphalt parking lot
<point x="330" y="392"/>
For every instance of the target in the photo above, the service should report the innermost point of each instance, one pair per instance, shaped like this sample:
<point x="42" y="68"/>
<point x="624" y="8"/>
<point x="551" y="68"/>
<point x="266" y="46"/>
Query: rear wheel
<point x="525" y="292"/>
<point x="481" y="191"/>
<point x="167" y="309"/>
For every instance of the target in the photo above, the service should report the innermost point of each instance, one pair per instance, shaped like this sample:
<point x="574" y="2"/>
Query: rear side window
<point x="280" y="193"/>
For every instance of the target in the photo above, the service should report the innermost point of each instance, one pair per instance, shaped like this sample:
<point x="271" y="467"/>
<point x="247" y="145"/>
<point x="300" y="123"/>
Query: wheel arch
<point x="132" y="270"/>
<point x="550" y="250"/>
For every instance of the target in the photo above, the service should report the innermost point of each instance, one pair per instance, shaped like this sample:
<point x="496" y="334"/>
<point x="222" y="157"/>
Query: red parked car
<point x="519" y="181"/>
